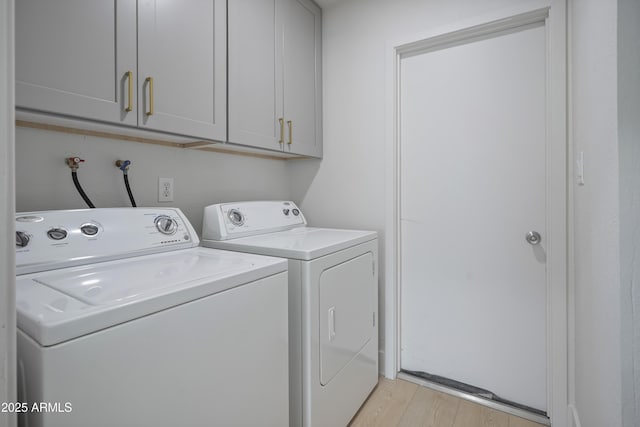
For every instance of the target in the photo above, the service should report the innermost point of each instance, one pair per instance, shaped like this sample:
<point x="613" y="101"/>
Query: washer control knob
<point x="166" y="225"/>
<point x="236" y="217"/>
<point x="89" y="229"/>
<point x="285" y="211"/>
<point x="296" y="212"/>
<point x="22" y="239"/>
<point x="57" y="233"/>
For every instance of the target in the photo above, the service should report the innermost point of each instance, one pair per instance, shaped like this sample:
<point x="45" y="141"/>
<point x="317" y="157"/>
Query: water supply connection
<point x="124" y="165"/>
<point x="74" y="164"/>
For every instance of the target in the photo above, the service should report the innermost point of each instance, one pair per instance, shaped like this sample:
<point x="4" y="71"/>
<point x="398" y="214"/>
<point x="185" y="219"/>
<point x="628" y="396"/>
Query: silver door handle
<point x="533" y="237"/>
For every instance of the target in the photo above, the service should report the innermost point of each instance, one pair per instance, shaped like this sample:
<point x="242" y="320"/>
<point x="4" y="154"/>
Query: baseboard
<point x="381" y="363"/>
<point x="574" y="419"/>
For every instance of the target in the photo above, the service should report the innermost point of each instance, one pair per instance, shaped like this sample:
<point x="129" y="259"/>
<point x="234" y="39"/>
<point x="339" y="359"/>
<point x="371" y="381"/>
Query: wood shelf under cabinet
<point x="134" y="135"/>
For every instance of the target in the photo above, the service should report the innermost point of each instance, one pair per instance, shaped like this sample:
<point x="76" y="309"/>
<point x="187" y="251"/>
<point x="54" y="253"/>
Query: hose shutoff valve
<point x="74" y="162"/>
<point x="123" y="165"/>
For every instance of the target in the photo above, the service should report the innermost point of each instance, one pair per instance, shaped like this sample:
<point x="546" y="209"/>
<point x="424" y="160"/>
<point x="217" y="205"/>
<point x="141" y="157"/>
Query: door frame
<point x="553" y="14"/>
<point x="7" y="212"/>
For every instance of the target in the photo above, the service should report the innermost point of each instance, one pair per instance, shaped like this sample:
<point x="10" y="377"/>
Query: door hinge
<point x="374" y="318"/>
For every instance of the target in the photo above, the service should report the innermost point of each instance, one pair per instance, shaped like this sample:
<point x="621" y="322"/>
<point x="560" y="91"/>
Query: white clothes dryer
<point x="124" y="321"/>
<point x="333" y="303"/>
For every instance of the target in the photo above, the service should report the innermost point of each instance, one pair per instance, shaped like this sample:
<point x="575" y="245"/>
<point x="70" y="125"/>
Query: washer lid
<point x="132" y="279"/>
<point x="57" y="306"/>
<point x="304" y="243"/>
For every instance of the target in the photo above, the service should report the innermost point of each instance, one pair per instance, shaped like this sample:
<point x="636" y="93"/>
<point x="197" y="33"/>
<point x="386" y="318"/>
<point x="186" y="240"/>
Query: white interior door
<point x="473" y="184"/>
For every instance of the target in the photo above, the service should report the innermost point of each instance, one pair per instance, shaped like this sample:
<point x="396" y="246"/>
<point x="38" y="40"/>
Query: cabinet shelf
<point x="98" y="130"/>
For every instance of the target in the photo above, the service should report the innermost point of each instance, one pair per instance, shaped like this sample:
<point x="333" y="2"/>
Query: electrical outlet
<point x="165" y="189"/>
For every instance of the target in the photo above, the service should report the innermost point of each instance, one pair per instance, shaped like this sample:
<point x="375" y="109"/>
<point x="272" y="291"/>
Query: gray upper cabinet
<point x="275" y="80"/>
<point x="302" y="78"/>
<point x="77" y="58"/>
<point x="182" y="50"/>
<point x="155" y="64"/>
<point x="254" y="62"/>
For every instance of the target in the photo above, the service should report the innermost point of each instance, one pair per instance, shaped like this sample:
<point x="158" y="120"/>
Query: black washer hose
<point x="74" y="175"/>
<point x="126" y="184"/>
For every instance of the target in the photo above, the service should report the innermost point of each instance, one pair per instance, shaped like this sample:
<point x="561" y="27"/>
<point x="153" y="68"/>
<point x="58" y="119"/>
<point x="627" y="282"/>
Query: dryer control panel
<point x="240" y="219"/>
<point x="54" y="239"/>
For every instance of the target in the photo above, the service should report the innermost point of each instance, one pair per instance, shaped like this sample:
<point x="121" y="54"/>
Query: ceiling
<point x="326" y="3"/>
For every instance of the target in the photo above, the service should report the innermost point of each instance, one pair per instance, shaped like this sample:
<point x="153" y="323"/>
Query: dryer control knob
<point x="236" y="217"/>
<point x="166" y="225"/>
<point x="22" y="239"/>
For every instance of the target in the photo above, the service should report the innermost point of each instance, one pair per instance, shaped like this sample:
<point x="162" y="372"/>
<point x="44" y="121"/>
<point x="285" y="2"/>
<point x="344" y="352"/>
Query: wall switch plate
<point x="165" y="189"/>
<point x="580" y="168"/>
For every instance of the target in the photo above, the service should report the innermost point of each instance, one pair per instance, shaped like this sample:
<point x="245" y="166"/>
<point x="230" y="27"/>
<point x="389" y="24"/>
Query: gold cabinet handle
<point x="281" y="120"/>
<point x="130" y="102"/>
<point x="290" y="123"/>
<point x="149" y="81"/>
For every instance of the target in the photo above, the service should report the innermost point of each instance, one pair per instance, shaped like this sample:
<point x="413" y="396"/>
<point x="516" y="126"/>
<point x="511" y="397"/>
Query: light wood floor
<point x="401" y="403"/>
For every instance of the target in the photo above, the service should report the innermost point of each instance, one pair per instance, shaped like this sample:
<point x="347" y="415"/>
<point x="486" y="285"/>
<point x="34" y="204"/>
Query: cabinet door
<point x="303" y="78"/>
<point x="182" y="48"/>
<point x="255" y="73"/>
<point x="73" y="57"/>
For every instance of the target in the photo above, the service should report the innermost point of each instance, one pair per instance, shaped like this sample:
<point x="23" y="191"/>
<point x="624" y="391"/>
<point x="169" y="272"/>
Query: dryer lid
<point x="57" y="306"/>
<point x="304" y="243"/>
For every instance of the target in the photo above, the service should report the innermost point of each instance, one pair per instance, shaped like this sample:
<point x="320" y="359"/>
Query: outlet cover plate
<point x="165" y="189"/>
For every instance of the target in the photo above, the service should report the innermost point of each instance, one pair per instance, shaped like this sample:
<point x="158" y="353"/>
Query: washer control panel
<point x="55" y="239"/>
<point x="232" y="220"/>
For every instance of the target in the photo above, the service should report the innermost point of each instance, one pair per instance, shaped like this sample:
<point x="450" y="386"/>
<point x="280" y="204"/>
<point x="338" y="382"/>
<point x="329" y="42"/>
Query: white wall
<point x="597" y="218"/>
<point x="629" y="158"/>
<point x="43" y="181"/>
<point x="7" y="233"/>
<point x="347" y="188"/>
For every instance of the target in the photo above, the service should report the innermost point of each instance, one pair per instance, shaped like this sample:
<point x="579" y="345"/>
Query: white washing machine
<point x="333" y="303"/>
<point x="124" y="321"/>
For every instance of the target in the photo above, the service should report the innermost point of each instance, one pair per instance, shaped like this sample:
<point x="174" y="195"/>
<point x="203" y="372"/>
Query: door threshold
<point x="518" y="412"/>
